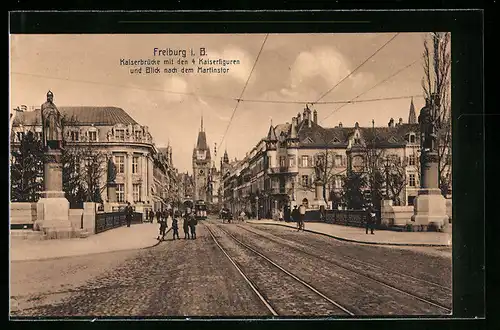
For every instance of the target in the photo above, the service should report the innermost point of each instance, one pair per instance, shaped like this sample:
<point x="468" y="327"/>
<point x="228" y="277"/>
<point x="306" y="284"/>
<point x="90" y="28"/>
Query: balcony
<point x="281" y="170"/>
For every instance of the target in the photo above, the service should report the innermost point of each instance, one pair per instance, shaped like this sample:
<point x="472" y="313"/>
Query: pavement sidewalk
<point x="138" y="236"/>
<point x="358" y="235"/>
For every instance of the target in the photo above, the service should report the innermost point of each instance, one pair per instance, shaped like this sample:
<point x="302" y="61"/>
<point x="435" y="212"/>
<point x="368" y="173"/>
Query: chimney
<point x="315" y="116"/>
<point x="293" y="130"/>
<point x="400" y="121"/>
<point x="391" y="122"/>
<point x="340" y="124"/>
<point x="298" y="118"/>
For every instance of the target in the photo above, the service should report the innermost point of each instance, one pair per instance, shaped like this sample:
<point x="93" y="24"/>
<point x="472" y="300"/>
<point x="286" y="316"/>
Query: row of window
<point x="75" y="136"/>
<point x="306" y="181"/>
<point x="136" y="192"/>
<point x="120" y="164"/>
<point x="307" y="161"/>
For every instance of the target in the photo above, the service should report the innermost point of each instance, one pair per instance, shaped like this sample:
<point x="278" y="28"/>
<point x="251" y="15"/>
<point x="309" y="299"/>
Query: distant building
<point x="141" y="167"/>
<point x="202" y="167"/>
<point x="280" y="170"/>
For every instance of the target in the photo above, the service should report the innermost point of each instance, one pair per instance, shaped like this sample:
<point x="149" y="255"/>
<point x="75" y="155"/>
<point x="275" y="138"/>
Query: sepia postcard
<point x="259" y="175"/>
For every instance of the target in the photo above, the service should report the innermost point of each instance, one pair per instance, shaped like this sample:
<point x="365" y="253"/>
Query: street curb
<point x="91" y="253"/>
<point x="355" y="241"/>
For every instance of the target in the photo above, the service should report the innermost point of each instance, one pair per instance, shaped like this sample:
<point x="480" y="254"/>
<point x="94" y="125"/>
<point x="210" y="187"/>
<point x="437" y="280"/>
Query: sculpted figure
<point x="427" y="129"/>
<point x="51" y="124"/>
<point x="319" y="169"/>
<point x="111" y="170"/>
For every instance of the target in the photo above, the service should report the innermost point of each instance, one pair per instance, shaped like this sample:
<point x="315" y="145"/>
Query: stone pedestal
<point x="430" y="209"/>
<point x="429" y="206"/>
<point x="53" y="207"/>
<point x="111" y="187"/>
<point x="53" y="218"/>
<point x="318" y="196"/>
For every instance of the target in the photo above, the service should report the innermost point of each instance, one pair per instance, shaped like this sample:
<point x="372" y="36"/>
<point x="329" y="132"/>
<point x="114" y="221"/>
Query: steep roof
<point x="381" y="136"/>
<point x="271" y="134"/>
<point x="84" y="115"/>
<point x="201" y="143"/>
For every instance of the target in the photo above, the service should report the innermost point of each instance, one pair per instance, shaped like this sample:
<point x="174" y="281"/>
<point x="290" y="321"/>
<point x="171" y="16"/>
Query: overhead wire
<point x="243" y="91"/>
<point x="371" y="88"/>
<point x="356" y="69"/>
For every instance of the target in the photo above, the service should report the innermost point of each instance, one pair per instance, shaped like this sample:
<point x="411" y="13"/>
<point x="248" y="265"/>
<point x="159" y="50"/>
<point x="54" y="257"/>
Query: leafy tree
<point x="353" y="190"/>
<point x="26" y="165"/>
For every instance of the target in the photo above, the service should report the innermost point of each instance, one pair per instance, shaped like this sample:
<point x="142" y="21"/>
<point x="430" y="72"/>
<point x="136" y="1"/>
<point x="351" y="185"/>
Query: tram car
<point x="200" y="210"/>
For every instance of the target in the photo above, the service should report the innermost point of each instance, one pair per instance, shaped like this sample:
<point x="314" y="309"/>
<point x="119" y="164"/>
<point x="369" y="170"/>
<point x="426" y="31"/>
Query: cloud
<point x="239" y="72"/>
<point x="176" y="85"/>
<point x="321" y="66"/>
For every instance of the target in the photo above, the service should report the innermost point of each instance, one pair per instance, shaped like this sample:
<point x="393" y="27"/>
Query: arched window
<point x="305" y="202"/>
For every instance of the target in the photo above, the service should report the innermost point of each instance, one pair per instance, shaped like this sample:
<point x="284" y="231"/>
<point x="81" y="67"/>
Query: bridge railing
<point x="110" y="220"/>
<point x="353" y="218"/>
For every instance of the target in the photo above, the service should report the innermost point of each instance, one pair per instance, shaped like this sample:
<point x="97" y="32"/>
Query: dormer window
<point x="92" y="136"/>
<point x="75" y="136"/>
<point x="412" y="138"/>
<point x="138" y="134"/>
<point x="120" y="134"/>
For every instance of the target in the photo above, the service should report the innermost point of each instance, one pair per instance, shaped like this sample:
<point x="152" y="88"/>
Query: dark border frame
<point x="466" y="27"/>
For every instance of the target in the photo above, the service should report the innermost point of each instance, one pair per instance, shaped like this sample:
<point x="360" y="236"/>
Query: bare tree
<point x="436" y="80"/>
<point x="395" y="178"/>
<point x="84" y="166"/>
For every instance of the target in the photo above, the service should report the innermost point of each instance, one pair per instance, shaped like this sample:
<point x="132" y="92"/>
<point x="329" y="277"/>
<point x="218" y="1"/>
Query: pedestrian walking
<point x="185" y="227"/>
<point x="151" y="216"/>
<point x="175" y="226"/>
<point x="158" y="216"/>
<point x="370" y="219"/>
<point x="296" y="216"/>
<point x="163" y="229"/>
<point x="302" y="214"/>
<point x="280" y="215"/>
<point x="192" y="226"/>
<point x="128" y="214"/>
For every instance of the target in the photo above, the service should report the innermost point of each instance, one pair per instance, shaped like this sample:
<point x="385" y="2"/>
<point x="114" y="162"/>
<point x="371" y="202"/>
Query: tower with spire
<point x="202" y="163"/>
<point x="412" y="117"/>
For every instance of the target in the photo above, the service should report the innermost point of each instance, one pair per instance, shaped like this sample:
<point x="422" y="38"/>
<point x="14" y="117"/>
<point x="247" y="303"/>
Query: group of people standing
<point x="298" y="215"/>
<point x="188" y="225"/>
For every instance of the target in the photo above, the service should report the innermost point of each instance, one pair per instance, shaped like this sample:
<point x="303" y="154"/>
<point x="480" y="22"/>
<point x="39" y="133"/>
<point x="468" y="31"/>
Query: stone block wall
<point x="22" y="213"/>
<point x="75" y="217"/>
<point x="396" y="216"/>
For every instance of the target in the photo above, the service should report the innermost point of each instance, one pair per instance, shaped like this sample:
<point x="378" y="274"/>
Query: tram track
<point x="266" y="300"/>
<point x="420" y="297"/>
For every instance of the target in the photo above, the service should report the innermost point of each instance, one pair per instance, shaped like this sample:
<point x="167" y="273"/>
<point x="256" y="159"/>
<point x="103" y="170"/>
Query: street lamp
<point x="257" y="207"/>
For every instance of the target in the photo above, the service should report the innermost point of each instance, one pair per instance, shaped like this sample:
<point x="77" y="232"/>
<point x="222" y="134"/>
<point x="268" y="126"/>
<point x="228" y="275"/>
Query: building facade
<point x="112" y="132"/>
<point x="204" y="170"/>
<point x="283" y="168"/>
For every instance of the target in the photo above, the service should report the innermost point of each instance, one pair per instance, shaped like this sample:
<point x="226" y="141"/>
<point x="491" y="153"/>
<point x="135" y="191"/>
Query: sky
<point x="85" y="70"/>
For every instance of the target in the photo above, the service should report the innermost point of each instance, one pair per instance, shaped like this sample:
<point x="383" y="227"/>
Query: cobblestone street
<point x="195" y="278"/>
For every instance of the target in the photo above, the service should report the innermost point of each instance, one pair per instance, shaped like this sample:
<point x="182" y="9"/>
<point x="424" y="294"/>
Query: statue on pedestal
<point x="111" y="171"/>
<point x="51" y="124"/>
<point x="427" y="128"/>
<point x="319" y="168"/>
